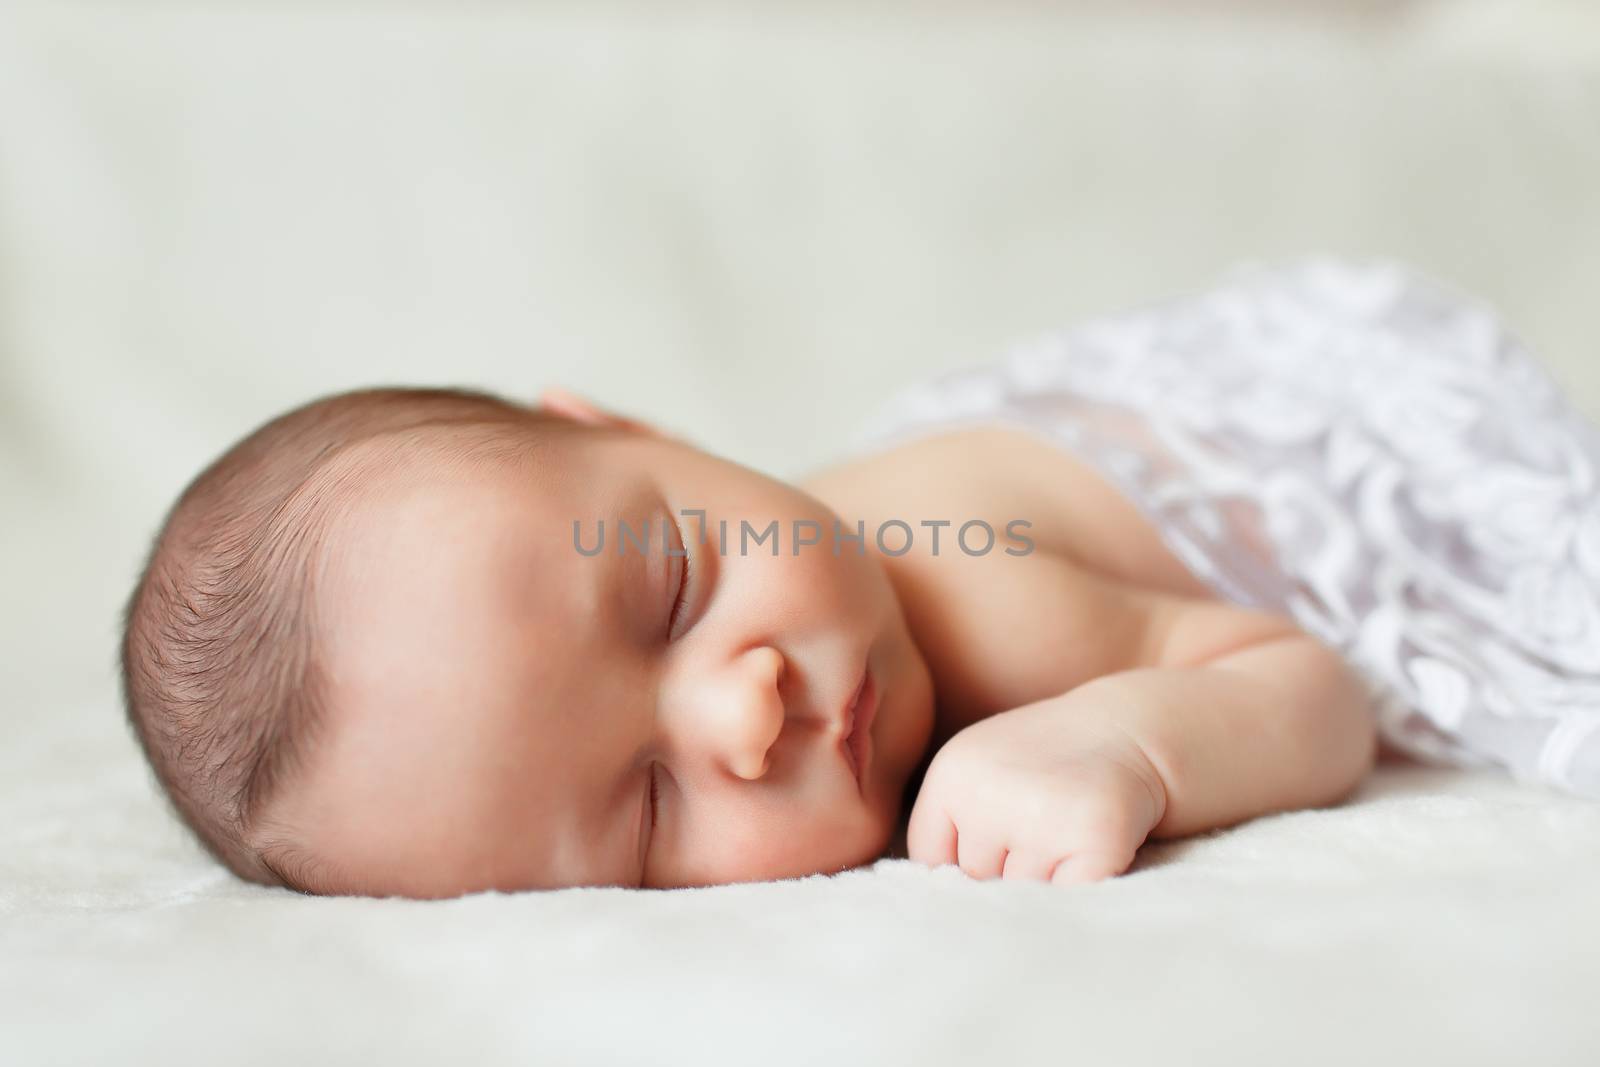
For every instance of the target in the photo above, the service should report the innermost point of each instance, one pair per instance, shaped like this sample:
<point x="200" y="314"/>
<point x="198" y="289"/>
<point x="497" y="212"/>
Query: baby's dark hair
<point x="221" y="671"/>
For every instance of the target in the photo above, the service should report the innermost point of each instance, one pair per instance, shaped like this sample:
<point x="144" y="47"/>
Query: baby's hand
<point x="1036" y="793"/>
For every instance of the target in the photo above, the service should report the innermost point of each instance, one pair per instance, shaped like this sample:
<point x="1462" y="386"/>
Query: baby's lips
<point x="857" y="741"/>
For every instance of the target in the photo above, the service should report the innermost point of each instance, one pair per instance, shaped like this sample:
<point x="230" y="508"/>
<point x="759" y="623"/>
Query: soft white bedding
<point x="750" y="222"/>
<point x="1439" y="917"/>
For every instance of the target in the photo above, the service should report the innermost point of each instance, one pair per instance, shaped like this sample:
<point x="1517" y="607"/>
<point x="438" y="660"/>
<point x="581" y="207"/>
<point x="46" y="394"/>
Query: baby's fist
<point x="1037" y="794"/>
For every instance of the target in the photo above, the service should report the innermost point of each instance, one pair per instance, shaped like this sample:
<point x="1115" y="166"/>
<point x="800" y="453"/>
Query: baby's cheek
<point x="760" y="843"/>
<point x="829" y="584"/>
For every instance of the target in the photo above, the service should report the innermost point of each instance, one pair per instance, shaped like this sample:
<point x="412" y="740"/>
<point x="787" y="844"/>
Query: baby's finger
<point x="1028" y="865"/>
<point x="931" y="835"/>
<point x="1085" y="867"/>
<point x="979" y="856"/>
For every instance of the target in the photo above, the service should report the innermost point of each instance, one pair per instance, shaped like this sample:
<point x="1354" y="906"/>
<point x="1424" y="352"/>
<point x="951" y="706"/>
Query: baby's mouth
<point x="857" y="740"/>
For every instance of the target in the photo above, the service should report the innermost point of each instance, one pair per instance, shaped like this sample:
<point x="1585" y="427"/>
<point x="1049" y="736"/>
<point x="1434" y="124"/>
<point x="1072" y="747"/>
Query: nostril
<point x="753" y="713"/>
<point x="779" y="663"/>
<point x="753" y="766"/>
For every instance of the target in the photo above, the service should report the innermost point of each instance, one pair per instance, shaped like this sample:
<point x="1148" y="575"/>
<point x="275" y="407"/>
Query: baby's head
<point x="371" y="652"/>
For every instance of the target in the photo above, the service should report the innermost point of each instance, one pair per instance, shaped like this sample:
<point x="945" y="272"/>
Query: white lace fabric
<point x="1367" y="451"/>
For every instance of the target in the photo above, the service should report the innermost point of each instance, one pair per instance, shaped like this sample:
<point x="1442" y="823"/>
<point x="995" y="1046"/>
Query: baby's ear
<point x="570" y="405"/>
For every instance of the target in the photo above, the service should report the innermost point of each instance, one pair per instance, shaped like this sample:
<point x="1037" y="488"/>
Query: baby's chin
<point x="894" y="845"/>
<point x="898" y="848"/>
<point x="886" y="831"/>
<point x="879" y="846"/>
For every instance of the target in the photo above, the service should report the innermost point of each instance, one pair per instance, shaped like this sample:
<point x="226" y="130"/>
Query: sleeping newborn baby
<point x="1167" y="572"/>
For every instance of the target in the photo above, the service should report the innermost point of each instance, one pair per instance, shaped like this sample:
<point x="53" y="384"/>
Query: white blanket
<point x="1439" y="917"/>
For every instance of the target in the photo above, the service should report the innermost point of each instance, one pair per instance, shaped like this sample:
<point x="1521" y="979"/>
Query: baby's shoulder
<point x="1001" y="474"/>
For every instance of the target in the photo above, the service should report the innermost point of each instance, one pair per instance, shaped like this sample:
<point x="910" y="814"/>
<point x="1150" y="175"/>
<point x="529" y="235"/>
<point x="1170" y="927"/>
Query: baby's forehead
<point x="375" y="484"/>
<point x="390" y="523"/>
<point x="473" y="555"/>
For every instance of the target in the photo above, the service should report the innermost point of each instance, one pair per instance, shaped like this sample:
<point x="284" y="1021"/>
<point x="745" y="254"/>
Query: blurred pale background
<point x="748" y="222"/>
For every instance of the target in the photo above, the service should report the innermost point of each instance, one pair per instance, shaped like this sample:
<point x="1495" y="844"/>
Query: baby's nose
<point x="749" y="713"/>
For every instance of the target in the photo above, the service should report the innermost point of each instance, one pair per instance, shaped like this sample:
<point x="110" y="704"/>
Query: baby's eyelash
<point x="653" y="796"/>
<point x="679" y="599"/>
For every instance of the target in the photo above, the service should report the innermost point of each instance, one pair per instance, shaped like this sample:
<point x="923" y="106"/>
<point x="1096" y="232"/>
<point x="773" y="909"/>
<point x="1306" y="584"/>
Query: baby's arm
<point x="1279" y="724"/>
<point x="1239" y="714"/>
